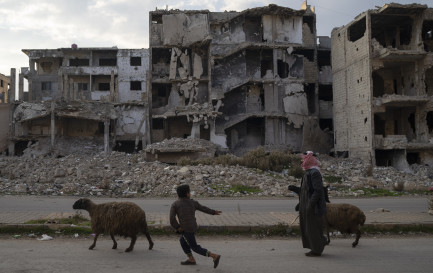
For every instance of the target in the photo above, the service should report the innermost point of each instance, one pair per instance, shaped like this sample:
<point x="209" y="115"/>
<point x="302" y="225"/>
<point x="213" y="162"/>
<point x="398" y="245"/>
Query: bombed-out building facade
<point x="4" y="88"/>
<point x="260" y="77"/>
<point x="382" y="66"/>
<point x="241" y="79"/>
<point x="82" y="93"/>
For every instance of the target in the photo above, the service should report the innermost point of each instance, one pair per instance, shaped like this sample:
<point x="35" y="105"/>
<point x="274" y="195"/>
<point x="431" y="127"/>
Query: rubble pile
<point x="129" y="175"/>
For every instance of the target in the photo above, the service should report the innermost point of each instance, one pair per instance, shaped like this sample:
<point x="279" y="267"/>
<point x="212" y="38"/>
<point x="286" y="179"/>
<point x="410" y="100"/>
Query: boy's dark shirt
<point x="185" y="209"/>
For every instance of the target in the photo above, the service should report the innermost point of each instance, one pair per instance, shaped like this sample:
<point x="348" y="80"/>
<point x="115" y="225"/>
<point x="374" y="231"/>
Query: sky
<point x="47" y="24"/>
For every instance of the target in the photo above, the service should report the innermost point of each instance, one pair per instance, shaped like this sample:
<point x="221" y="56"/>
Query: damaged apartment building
<point x="75" y="93"/>
<point x="241" y="79"/>
<point x="4" y="88"/>
<point x="382" y="66"/>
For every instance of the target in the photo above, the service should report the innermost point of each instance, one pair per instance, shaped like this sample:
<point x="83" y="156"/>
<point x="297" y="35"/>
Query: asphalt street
<point x="411" y="254"/>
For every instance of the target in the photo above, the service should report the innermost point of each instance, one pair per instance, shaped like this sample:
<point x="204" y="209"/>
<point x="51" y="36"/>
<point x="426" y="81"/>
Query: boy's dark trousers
<point x="188" y="243"/>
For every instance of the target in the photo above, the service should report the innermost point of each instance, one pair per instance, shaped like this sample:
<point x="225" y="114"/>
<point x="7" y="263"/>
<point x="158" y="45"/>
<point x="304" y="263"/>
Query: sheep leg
<point x="146" y="232"/>
<point x="94" y="241"/>
<point x="358" y="235"/>
<point x="327" y="234"/>
<point x="114" y="241"/>
<point x="131" y="246"/>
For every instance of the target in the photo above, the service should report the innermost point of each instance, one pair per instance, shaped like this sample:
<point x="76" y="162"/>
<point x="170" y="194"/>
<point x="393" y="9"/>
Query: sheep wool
<point x="116" y="218"/>
<point x="345" y="218"/>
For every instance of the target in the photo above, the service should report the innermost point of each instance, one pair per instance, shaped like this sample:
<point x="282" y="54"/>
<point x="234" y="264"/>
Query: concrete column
<point x="112" y="95"/>
<point x="107" y="136"/>
<point x="11" y="93"/>
<point x="60" y="84"/>
<point x="53" y="124"/>
<point x="21" y="87"/>
<point x="32" y="65"/>
<point x="66" y="87"/>
<point x="195" y="130"/>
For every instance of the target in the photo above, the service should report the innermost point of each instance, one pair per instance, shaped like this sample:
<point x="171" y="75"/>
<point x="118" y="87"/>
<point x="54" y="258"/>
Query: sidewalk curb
<point x="279" y="229"/>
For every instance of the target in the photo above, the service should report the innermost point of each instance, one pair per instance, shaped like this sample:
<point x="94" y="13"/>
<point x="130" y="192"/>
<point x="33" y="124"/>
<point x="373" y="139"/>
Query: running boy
<point x="185" y="208"/>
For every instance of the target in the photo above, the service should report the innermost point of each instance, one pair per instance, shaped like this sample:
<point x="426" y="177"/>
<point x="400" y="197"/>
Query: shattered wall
<point x="4" y="125"/>
<point x="4" y="88"/>
<point x="184" y="29"/>
<point x="351" y="70"/>
<point x="256" y="68"/>
<point x="382" y="96"/>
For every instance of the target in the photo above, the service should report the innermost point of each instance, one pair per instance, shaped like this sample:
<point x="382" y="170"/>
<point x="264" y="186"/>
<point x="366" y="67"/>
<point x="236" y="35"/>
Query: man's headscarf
<point x="309" y="161"/>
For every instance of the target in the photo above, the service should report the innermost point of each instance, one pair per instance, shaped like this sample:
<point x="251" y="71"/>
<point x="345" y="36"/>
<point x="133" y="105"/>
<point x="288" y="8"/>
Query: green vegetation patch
<point x="243" y="189"/>
<point x="332" y="179"/>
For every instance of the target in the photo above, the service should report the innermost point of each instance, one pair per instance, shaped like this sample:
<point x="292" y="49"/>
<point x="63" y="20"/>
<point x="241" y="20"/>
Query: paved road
<point x="239" y="255"/>
<point x="162" y="205"/>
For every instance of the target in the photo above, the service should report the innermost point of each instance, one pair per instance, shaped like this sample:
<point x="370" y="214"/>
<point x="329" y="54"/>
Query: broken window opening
<point x="309" y="20"/>
<point x="310" y="90"/>
<point x="428" y="80"/>
<point x="46" y="86"/>
<point x="245" y="135"/>
<point x="160" y="94"/>
<point x="107" y="62"/>
<point x="427" y="35"/>
<point x="79" y="62"/>
<point x="405" y="34"/>
<point x="157" y="19"/>
<point x="127" y="146"/>
<point x="135" y="85"/>
<point x="389" y="158"/>
<point x="46" y="66"/>
<point x="430" y="122"/>
<point x="307" y="53"/>
<point x="253" y="29"/>
<point x="161" y="62"/>
<point x="158" y="124"/>
<point x="283" y="69"/>
<point x="326" y="124"/>
<point x="266" y="62"/>
<point x="135" y="61"/>
<point x="357" y="30"/>
<point x="20" y="146"/>
<point x="413" y="158"/>
<point x="104" y="86"/>
<point x="82" y="86"/>
<point x="325" y="92"/>
<point x="392" y="30"/>
<point x="379" y="125"/>
<point x="324" y="58"/>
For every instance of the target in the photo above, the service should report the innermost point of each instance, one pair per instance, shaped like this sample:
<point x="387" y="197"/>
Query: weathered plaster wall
<point x="183" y="29"/>
<point x="4" y="88"/>
<point x="131" y="122"/>
<point x="352" y="94"/>
<point x="128" y="73"/>
<point x="231" y="32"/>
<point x="4" y="125"/>
<point x="281" y="29"/>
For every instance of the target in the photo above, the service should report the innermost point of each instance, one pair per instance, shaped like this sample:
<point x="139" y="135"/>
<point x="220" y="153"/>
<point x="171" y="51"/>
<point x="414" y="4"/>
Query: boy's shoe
<point x="216" y="261"/>
<point x="188" y="262"/>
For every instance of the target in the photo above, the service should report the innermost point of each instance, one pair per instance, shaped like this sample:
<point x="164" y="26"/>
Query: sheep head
<point x="82" y="203"/>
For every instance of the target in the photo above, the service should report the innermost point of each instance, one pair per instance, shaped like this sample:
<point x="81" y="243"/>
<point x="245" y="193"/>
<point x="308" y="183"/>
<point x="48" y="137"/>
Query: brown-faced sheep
<point x="115" y="218"/>
<point x="345" y="218"/>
